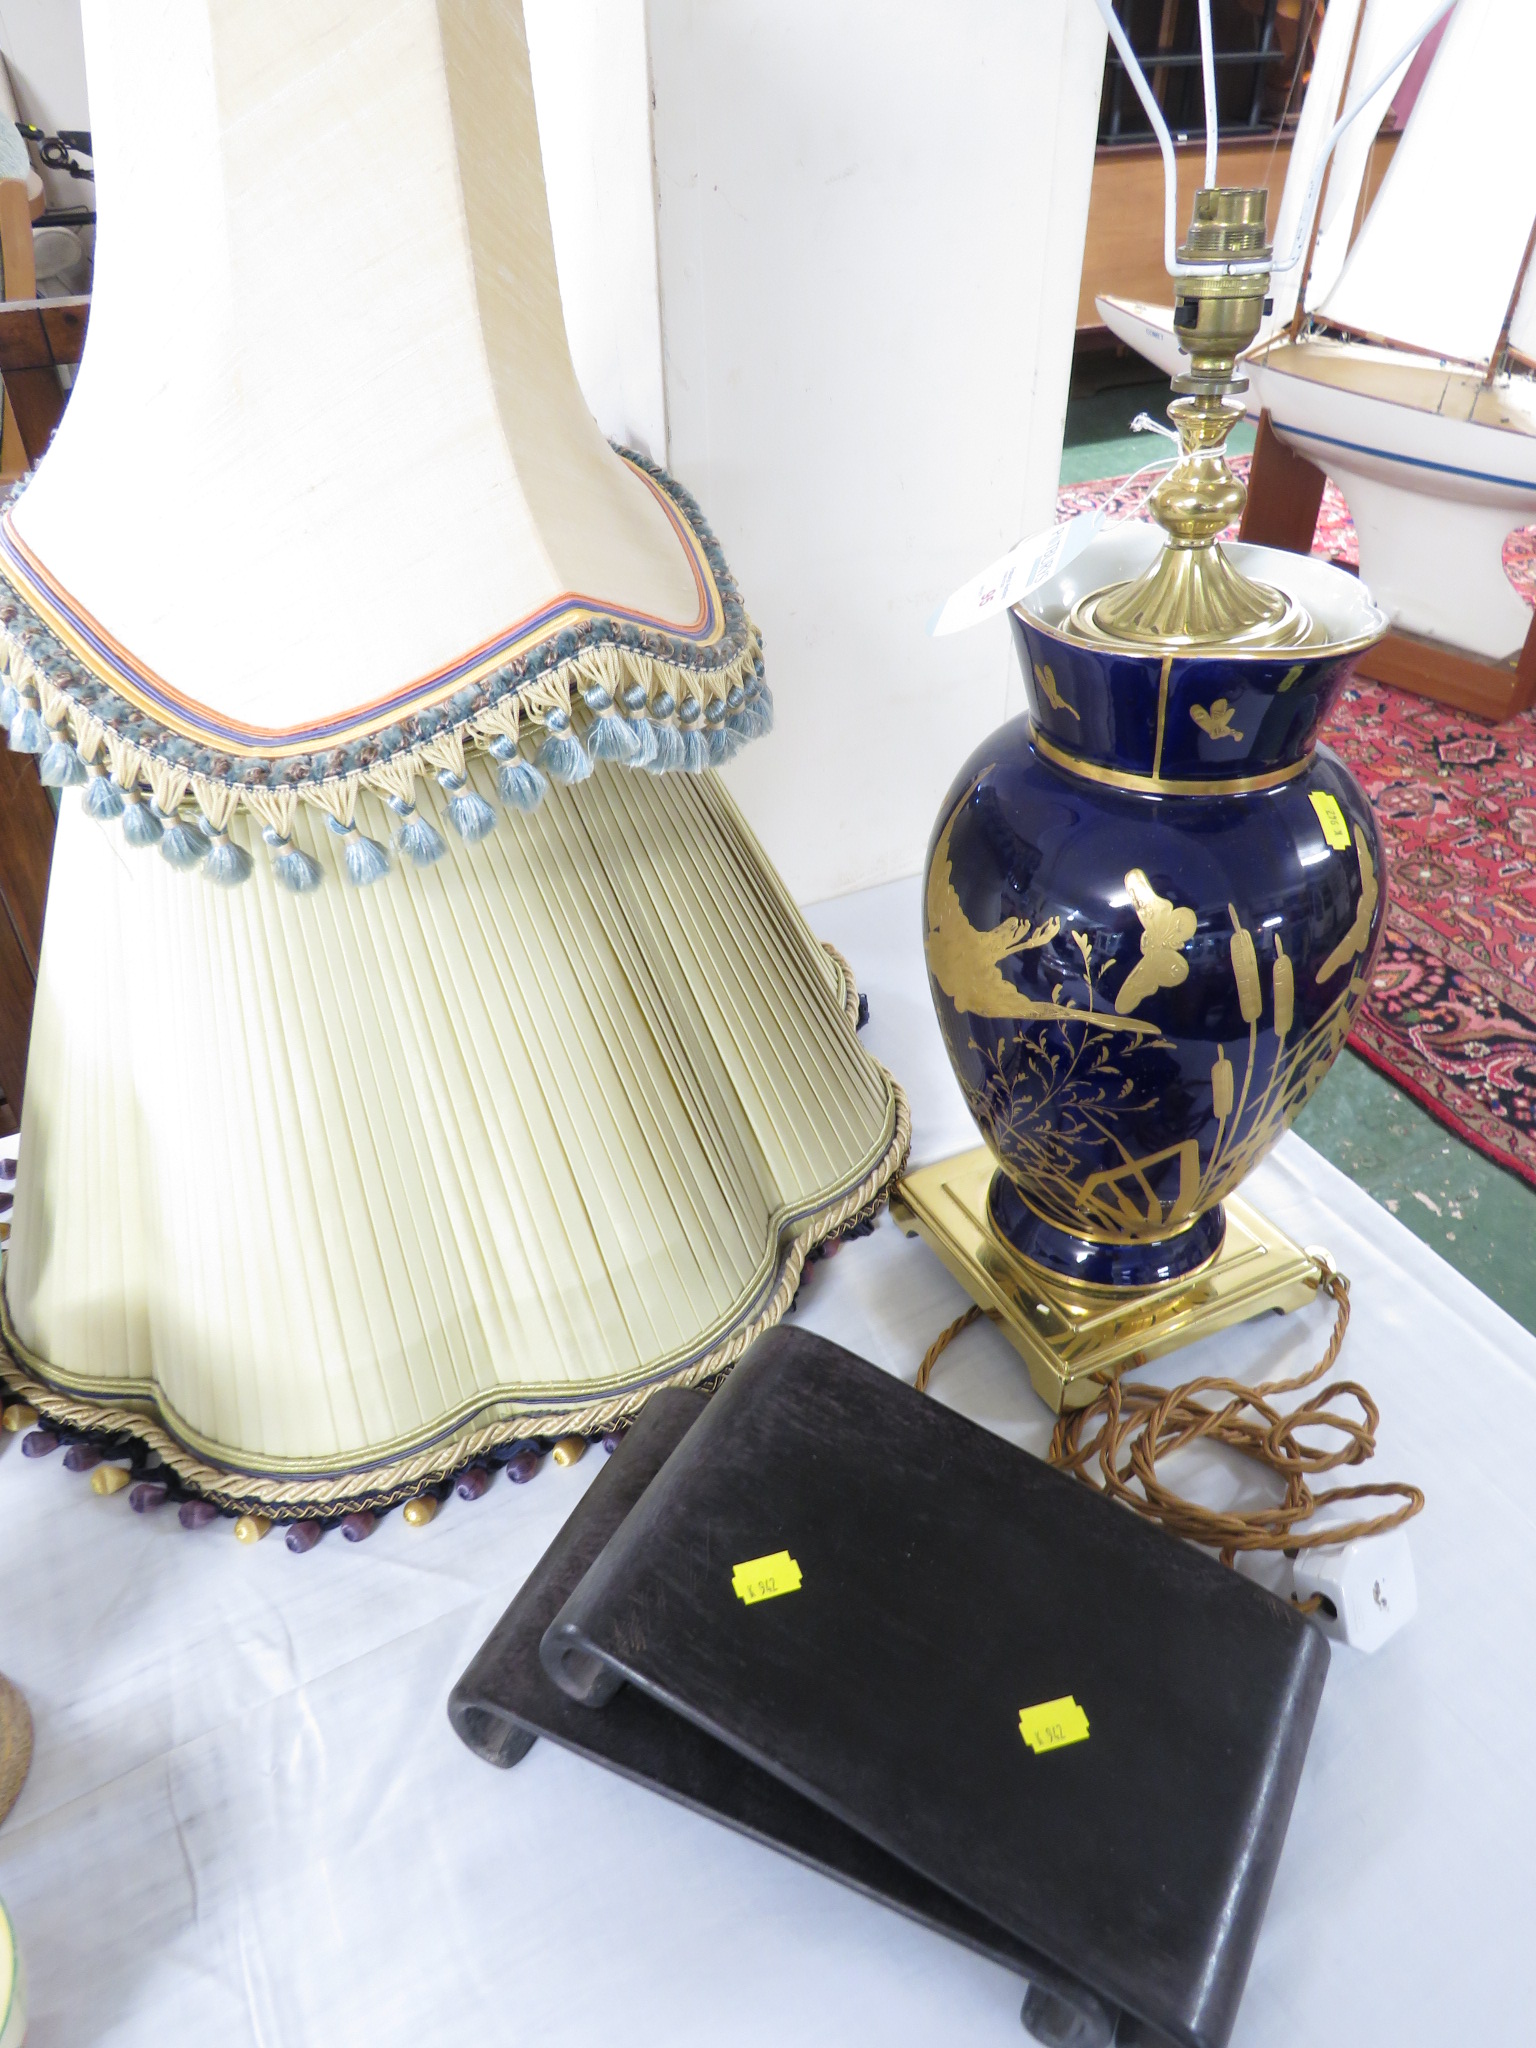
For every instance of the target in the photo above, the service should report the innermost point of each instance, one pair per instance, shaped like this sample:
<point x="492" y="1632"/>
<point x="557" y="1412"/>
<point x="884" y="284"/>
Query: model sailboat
<point x="1401" y="359"/>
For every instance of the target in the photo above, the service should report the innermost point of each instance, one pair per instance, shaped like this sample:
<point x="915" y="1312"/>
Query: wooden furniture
<point x="26" y="850"/>
<point x="36" y="336"/>
<point x="1284" y="494"/>
<point x="1123" y="249"/>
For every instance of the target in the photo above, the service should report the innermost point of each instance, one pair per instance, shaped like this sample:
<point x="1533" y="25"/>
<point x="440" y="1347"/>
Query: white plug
<point x="1367" y="1587"/>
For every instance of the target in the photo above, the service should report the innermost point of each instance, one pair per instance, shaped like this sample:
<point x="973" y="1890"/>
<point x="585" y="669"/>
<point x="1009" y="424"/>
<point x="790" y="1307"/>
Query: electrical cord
<point x="1115" y="1442"/>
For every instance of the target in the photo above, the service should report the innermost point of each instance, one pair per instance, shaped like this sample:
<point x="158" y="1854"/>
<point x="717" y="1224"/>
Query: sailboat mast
<point x="1501" y="346"/>
<point x="1300" y="312"/>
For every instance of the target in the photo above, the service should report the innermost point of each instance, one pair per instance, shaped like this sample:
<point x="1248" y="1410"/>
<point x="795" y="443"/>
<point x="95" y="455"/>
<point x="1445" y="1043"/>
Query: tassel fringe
<point x="227" y="864"/>
<point x="181" y="843"/>
<point x="468" y="812"/>
<point x="415" y="837"/>
<point x="28" y="733"/>
<point x="605" y="690"/>
<point x="103" y="800"/>
<point x="292" y="867"/>
<point x="365" y="860"/>
<point x="140" y="825"/>
<point x="520" y="785"/>
<point x="562" y="756"/>
<point x="60" y="766"/>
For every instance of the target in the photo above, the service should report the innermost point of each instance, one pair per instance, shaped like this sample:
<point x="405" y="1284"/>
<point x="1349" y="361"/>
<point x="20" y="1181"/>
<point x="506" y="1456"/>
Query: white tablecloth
<point x="249" y="1822"/>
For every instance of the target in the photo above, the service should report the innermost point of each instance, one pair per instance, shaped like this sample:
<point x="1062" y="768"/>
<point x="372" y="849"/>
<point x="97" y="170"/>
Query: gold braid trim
<point x="387" y="1485"/>
<point x="848" y="994"/>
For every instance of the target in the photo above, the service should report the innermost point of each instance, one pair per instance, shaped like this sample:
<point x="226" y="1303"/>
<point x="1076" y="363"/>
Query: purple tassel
<point x="473" y="1482"/>
<point x="304" y="1536"/>
<point x="197" y="1514"/>
<point x="360" y="1525"/>
<point x="39" y="1443"/>
<point x="147" y="1495"/>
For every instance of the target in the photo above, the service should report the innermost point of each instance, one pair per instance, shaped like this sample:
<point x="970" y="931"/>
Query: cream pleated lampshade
<point x="425" y="1054"/>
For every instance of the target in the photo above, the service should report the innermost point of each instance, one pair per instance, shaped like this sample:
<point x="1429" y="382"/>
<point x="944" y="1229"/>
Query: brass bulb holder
<point x="1193" y="598"/>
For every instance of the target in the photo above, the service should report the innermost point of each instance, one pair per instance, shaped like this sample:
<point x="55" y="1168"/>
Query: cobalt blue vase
<point x="1152" y="907"/>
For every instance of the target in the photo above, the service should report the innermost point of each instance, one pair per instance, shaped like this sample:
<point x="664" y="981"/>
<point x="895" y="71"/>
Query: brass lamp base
<point x="1071" y="1336"/>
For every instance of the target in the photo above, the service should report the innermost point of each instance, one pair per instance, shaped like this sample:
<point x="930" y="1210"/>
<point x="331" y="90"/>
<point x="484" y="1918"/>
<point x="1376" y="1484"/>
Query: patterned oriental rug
<point x="1451" y="1016"/>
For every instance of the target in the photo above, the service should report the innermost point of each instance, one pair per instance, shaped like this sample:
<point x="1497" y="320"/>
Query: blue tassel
<point x="645" y="743"/>
<point x="103" y="799"/>
<point x="29" y="735"/>
<point x="669" y="752"/>
<point x="468" y="812"/>
<point x="140" y="825"/>
<point x="10" y="703"/>
<point x="612" y="739"/>
<point x="181" y="844"/>
<point x="664" y="706"/>
<point x="521" y="785"/>
<point x="417" y="838"/>
<point x="763" y="705"/>
<point x="695" y="751"/>
<point x="293" y="868"/>
<point x="723" y="744"/>
<point x="562" y="756"/>
<point x="61" y="767"/>
<point x="227" y="864"/>
<point x="365" y="859"/>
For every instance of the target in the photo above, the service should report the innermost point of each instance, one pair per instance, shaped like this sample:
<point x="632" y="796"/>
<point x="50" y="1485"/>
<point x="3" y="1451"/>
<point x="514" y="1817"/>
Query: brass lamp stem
<point x="1193" y="596"/>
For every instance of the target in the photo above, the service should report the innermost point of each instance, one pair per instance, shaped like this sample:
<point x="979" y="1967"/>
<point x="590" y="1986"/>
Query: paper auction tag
<point x="1332" y="820"/>
<point x="765" y="1578"/>
<point x="1023" y="569"/>
<point x="1053" y="1724"/>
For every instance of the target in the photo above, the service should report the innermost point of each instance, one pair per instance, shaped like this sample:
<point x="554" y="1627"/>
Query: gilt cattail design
<point x="1245" y="967"/>
<point x="1285" y="989"/>
<point x="1221" y="1085"/>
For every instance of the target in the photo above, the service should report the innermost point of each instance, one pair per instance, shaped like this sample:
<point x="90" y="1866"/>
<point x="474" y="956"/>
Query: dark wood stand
<point x="1284" y="494"/>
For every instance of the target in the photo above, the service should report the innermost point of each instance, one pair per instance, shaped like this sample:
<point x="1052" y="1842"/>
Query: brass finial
<point x="1193" y="596"/>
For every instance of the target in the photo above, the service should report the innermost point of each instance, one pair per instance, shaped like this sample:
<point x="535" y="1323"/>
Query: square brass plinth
<point x="1070" y="1335"/>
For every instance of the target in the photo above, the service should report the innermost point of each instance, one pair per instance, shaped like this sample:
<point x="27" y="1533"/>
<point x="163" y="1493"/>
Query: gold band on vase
<point x="1164" y="785"/>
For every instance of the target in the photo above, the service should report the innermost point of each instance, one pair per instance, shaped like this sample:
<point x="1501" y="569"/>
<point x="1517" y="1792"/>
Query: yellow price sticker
<point x="765" y="1578"/>
<point x="1332" y="820"/>
<point x="1053" y="1724"/>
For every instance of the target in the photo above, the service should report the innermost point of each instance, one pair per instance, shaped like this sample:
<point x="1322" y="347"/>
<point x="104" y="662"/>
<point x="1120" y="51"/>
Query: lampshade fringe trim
<point x="551" y="732"/>
<point x="605" y="689"/>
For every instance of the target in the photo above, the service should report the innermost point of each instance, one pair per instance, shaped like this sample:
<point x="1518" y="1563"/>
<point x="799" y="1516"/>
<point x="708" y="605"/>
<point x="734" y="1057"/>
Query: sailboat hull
<point x="1437" y="470"/>
<point x="1146" y="328"/>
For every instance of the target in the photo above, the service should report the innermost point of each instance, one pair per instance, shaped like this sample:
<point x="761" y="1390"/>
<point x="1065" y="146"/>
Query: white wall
<point x="871" y="230"/>
<point x="591" y="83"/>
